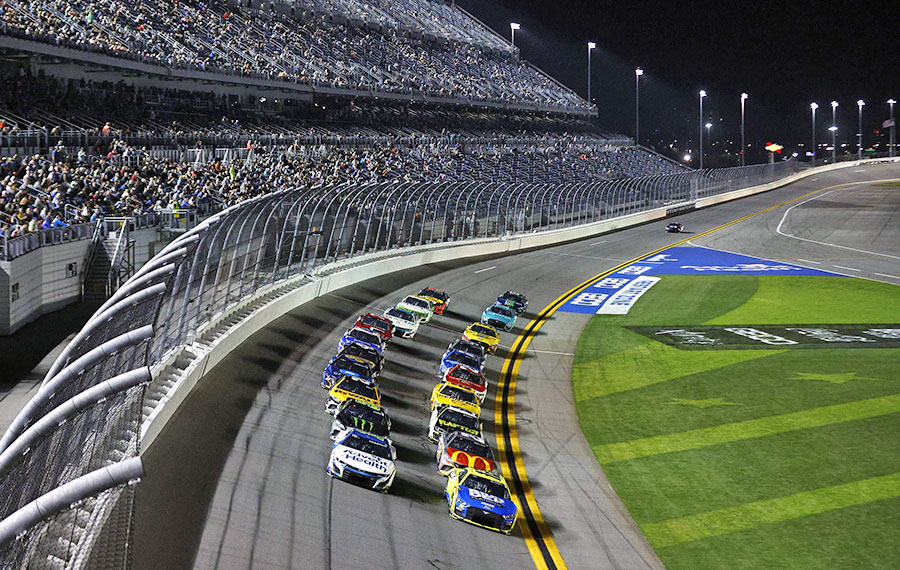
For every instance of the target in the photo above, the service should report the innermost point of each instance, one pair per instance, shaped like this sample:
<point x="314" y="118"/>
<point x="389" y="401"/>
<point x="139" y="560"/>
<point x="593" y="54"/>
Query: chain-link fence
<point x="66" y="460"/>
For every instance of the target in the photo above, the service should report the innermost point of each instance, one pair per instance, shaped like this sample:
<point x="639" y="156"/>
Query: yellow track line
<point x="538" y="536"/>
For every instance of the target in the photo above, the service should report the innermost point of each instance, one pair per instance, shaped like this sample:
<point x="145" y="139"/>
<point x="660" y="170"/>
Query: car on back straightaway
<point x="445" y="394"/>
<point x="364" y="337"/>
<point x="465" y="377"/>
<point x="440" y="299"/>
<point x="362" y="416"/>
<point x="456" y="357"/>
<point x="481" y="499"/>
<point x="346" y="365"/>
<point x="515" y="301"/>
<point x="674" y="228"/>
<point x="499" y="316"/>
<point x="370" y="355"/>
<point x="476" y="350"/>
<point x="485" y="335"/>
<point x="348" y="388"/>
<point x="363" y="459"/>
<point x="458" y="449"/>
<point x="453" y="419"/>
<point x="406" y="324"/>
<point x="377" y="324"/>
<point x="419" y="306"/>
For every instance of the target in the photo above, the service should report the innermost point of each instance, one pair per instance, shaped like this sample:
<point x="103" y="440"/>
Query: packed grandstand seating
<point x="304" y="48"/>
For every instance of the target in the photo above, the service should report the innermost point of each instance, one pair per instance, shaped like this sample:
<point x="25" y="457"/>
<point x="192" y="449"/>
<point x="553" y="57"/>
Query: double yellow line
<point x="538" y="536"/>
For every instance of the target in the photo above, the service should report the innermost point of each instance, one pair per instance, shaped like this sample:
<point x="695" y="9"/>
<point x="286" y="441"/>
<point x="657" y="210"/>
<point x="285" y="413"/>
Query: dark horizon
<point x="779" y="54"/>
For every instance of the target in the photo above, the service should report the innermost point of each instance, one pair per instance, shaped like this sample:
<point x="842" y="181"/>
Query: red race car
<point x="377" y="324"/>
<point x="465" y="377"/>
<point x="440" y="299"/>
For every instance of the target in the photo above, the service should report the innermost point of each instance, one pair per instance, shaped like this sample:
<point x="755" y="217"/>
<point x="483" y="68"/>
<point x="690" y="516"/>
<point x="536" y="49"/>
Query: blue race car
<point x="515" y="301"/>
<point x="499" y="317"/>
<point x="364" y="337"/>
<point x="462" y="345"/>
<point x="480" y="498"/>
<point x="453" y="358"/>
<point x="346" y="365"/>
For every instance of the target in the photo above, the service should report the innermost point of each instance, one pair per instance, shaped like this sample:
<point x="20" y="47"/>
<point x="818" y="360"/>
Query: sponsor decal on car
<point x="705" y="337"/>
<point x="465" y="459"/>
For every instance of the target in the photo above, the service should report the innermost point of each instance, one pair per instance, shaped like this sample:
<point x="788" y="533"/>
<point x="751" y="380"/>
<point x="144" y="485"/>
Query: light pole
<point x="833" y="129"/>
<point x="860" y="104"/>
<point x="812" y="107"/>
<point x="591" y="45"/>
<point x="891" y="103"/>
<point x="512" y="32"/>
<point x="637" y="104"/>
<point x="743" y="142"/>
<point x="702" y="95"/>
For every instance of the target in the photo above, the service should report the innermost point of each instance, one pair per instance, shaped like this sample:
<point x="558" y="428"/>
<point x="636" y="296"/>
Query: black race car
<point x="674" y="228"/>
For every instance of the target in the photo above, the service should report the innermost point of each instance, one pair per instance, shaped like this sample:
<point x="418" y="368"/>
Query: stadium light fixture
<point x="833" y="129"/>
<point x="512" y="30"/>
<point x="591" y="45"/>
<point x="812" y="107"/>
<point x="891" y="103"/>
<point x="860" y="104"/>
<point x="702" y="95"/>
<point x="744" y="98"/>
<point x="637" y="105"/>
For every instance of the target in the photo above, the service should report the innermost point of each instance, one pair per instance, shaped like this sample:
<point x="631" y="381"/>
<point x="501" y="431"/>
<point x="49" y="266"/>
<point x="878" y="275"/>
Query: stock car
<point x="363" y="459"/>
<point x="485" y="335"/>
<point x="468" y="347"/>
<point x="419" y="306"/>
<point x="453" y="419"/>
<point x="515" y="301"/>
<point x="465" y="377"/>
<point x="458" y="449"/>
<point x="445" y="394"/>
<point x="674" y="228"/>
<point x="406" y="324"/>
<point x="481" y="499"/>
<point x="377" y="324"/>
<point x="440" y="299"/>
<point x="364" y="337"/>
<point x="347" y="365"/>
<point x="370" y="355"/>
<point x="355" y="414"/>
<point x="499" y="316"/>
<point x="348" y="388"/>
<point x="452" y="358"/>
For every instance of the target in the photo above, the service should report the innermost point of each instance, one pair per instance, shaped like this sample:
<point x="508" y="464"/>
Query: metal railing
<point x="13" y="247"/>
<point x="88" y="412"/>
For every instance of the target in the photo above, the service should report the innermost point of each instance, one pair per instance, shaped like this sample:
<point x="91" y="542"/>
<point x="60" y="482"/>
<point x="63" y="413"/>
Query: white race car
<point x="363" y="459"/>
<point x="419" y="306"/>
<point x="406" y="324"/>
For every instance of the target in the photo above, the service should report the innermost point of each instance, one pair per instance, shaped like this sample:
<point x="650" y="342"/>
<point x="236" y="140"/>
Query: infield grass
<point x="771" y="458"/>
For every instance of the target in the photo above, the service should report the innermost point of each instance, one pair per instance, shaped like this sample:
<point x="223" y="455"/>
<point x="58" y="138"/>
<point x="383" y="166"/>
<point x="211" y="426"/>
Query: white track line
<point x="886" y="275"/>
<point x="847" y="268"/>
<point x="808" y="261"/>
<point x="788" y="211"/>
<point x="598" y="242"/>
<point x="486" y="269"/>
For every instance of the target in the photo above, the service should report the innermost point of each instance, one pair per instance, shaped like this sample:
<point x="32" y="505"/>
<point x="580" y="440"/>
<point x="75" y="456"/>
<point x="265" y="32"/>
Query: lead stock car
<point x="481" y="499"/>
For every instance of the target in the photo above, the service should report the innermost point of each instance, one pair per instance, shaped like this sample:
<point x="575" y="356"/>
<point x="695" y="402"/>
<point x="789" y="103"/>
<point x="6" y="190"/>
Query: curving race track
<point x="237" y="479"/>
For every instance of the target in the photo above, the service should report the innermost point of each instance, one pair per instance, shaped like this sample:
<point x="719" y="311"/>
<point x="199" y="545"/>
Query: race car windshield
<point x="467" y="376"/>
<point x="458" y="418"/>
<point x="485" y="485"/>
<point x="465" y="359"/>
<point x="429" y="292"/>
<point x="421" y="303"/>
<point x="360" y="351"/>
<point x="511" y="296"/>
<point x="459" y="394"/>
<point x="363" y="335"/>
<point x="482" y="330"/>
<point x="363" y="417"/>
<point x="350" y="365"/>
<point x="471" y="447"/>
<point x="500" y="310"/>
<point x="466" y="347"/>
<point x="359" y="388"/>
<point x="375" y="323"/>
<point x="366" y="445"/>
<point x="401" y="314"/>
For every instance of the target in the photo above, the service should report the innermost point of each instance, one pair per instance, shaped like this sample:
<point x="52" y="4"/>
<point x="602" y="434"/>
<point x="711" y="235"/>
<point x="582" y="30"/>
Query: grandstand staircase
<point x="109" y="263"/>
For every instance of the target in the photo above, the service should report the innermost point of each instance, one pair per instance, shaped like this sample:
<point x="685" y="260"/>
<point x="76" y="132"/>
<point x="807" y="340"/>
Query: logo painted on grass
<point x="774" y="336"/>
<point x="675" y="261"/>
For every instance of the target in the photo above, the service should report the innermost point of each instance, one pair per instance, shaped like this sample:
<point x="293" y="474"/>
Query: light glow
<point x="514" y="26"/>
<point x="591" y="45"/>
<point x="639" y="71"/>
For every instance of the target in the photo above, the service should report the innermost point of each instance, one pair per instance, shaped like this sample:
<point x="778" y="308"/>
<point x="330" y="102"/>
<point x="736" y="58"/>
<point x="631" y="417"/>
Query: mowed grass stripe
<point x="749" y="429"/>
<point x="752" y="515"/>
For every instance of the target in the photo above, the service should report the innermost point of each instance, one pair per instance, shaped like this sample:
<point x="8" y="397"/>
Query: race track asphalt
<point x="237" y="479"/>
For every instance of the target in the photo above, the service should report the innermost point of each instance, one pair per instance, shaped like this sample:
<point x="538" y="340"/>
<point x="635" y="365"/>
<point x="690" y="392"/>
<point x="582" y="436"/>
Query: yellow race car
<point x="349" y="387"/>
<point x="447" y="394"/>
<point x="481" y="499"/>
<point x="485" y="335"/>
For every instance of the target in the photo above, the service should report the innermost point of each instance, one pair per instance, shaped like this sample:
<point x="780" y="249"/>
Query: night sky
<point x="784" y="55"/>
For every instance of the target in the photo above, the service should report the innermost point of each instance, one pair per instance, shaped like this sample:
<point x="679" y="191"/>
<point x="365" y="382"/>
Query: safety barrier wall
<point x="211" y="288"/>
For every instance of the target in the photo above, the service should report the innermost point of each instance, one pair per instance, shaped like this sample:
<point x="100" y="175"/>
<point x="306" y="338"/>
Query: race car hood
<point x="473" y="498"/>
<point x="341" y="395"/>
<point x="364" y="461"/>
<point x="465" y="459"/>
<point x="453" y="426"/>
<point x="479" y="387"/>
